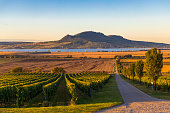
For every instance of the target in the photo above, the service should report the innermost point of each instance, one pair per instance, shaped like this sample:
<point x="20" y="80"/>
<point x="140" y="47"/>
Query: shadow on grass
<point x="107" y="94"/>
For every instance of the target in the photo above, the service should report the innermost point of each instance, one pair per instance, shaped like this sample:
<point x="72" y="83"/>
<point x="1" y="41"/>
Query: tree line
<point x="152" y="66"/>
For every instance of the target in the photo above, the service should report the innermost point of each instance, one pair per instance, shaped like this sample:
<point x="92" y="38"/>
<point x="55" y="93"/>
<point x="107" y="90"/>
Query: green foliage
<point x="23" y="87"/>
<point x="19" y="95"/>
<point x="154" y="64"/>
<point x="32" y="90"/>
<point x="30" y="83"/>
<point x="48" y="89"/>
<point x="127" y="56"/>
<point x="119" y="68"/>
<point x="124" y="72"/>
<point x="108" y="93"/>
<point x="72" y="90"/>
<point x="128" y="73"/>
<point x="139" y="69"/>
<point x="114" y="67"/>
<point x="163" y="82"/>
<point x="132" y="70"/>
<point x="88" y="81"/>
<point x="119" y="65"/>
<point x="162" y="93"/>
<point x="58" y="70"/>
<point x="17" y="70"/>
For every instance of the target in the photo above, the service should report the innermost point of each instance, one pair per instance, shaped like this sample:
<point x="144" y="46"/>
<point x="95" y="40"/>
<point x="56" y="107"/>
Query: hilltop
<point x="88" y="39"/>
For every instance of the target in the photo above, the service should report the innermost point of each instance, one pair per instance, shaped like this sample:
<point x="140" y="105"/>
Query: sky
<point x="45" y="20"/>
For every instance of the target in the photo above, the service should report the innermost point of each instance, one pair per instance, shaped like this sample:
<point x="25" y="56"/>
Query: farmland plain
<point x="73" y="62"/>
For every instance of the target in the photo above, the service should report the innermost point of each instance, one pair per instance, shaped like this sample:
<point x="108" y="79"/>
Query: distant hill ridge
<point x="84" y="40"/>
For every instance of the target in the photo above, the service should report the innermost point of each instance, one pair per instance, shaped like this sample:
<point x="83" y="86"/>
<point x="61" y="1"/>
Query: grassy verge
<point x="148" y="90"/>
<point x="106" y="97"/>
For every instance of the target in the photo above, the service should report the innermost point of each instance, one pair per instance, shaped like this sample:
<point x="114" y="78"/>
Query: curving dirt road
<point x="136" y="101"/>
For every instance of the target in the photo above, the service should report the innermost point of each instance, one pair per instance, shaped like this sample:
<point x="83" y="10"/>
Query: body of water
<point x="75" y="50"/>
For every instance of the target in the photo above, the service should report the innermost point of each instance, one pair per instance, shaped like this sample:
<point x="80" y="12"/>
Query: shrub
<point x="59" y="70"/>
<point x="17" y="70"/>
<point x="127" y="56"/>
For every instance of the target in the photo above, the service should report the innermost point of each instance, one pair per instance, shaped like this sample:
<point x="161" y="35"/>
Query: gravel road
<point x="136" y="101"/>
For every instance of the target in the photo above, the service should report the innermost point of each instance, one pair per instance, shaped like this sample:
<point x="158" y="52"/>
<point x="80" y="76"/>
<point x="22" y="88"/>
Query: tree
<point x="119" y="65"/>
<point x="17" y="70"/>
<point x="132" y="70"/>
<point x="139" y="69"/>
<point x="59" y="70"/>
<point x="124" y="72"/>
<point x="154" y="64"/>
<point x="119" y="68"/>
<point x="128" y="73"/>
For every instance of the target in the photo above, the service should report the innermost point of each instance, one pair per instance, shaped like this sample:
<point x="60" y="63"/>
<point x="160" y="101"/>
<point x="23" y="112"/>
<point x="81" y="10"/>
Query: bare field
<point x="94" y="54"/>
<point x="166" y="53"/>
<point x="74" y="64"/>
<point x="7" y="53"/>
<point x="70" y="65"/>
<point x="166" y="68"/>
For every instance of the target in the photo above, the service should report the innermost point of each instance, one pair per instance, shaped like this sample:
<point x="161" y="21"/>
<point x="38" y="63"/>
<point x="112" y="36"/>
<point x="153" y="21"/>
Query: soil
<point x="70" y="65"/>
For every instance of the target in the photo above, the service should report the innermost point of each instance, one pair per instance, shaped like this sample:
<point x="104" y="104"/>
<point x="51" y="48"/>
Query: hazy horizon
<point x="47" y="20"/>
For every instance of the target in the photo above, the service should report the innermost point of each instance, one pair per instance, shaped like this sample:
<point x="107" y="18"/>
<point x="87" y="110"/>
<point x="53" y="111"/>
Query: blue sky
<point x="147" y="20"/>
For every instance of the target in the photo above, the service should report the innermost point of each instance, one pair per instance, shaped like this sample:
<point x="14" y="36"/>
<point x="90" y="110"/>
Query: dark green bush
<point x="59" y="70"/>
<point x="17" y="70"/>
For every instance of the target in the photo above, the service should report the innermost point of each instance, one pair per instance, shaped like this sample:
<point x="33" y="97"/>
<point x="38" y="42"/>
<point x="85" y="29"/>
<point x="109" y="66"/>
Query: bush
<point x="45" y="103"/>
<point x="69" y="56"/>
<point x="59" y="70"/>
<point x="127" y="56"/>
<point x="17" y="70"/>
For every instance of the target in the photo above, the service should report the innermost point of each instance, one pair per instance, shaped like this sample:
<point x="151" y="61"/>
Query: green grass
<point x="2" y="60"/>
<point x="105" y="97"/>
<point x="109" y="93"/>
<point x="63" y="109"/>
<point x="148" y="90"/>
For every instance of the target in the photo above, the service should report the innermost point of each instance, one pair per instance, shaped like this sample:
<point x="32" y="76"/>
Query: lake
<point x="75" y="50"/>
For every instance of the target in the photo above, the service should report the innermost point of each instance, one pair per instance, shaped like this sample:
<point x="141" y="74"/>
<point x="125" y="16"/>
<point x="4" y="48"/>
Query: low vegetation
<point x="17" y="70"/>
<point x="104" y="97"/>
<point x="59" y="91"/>
<point x="151" y="77"/>
<point x="59" y="70"/>
<point x="162" y="93"/>
<point x="119" y="65"/>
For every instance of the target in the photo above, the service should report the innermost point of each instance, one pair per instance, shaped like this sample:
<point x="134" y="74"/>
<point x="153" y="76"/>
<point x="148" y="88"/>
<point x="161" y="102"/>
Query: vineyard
<point x="18" y="89"/>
